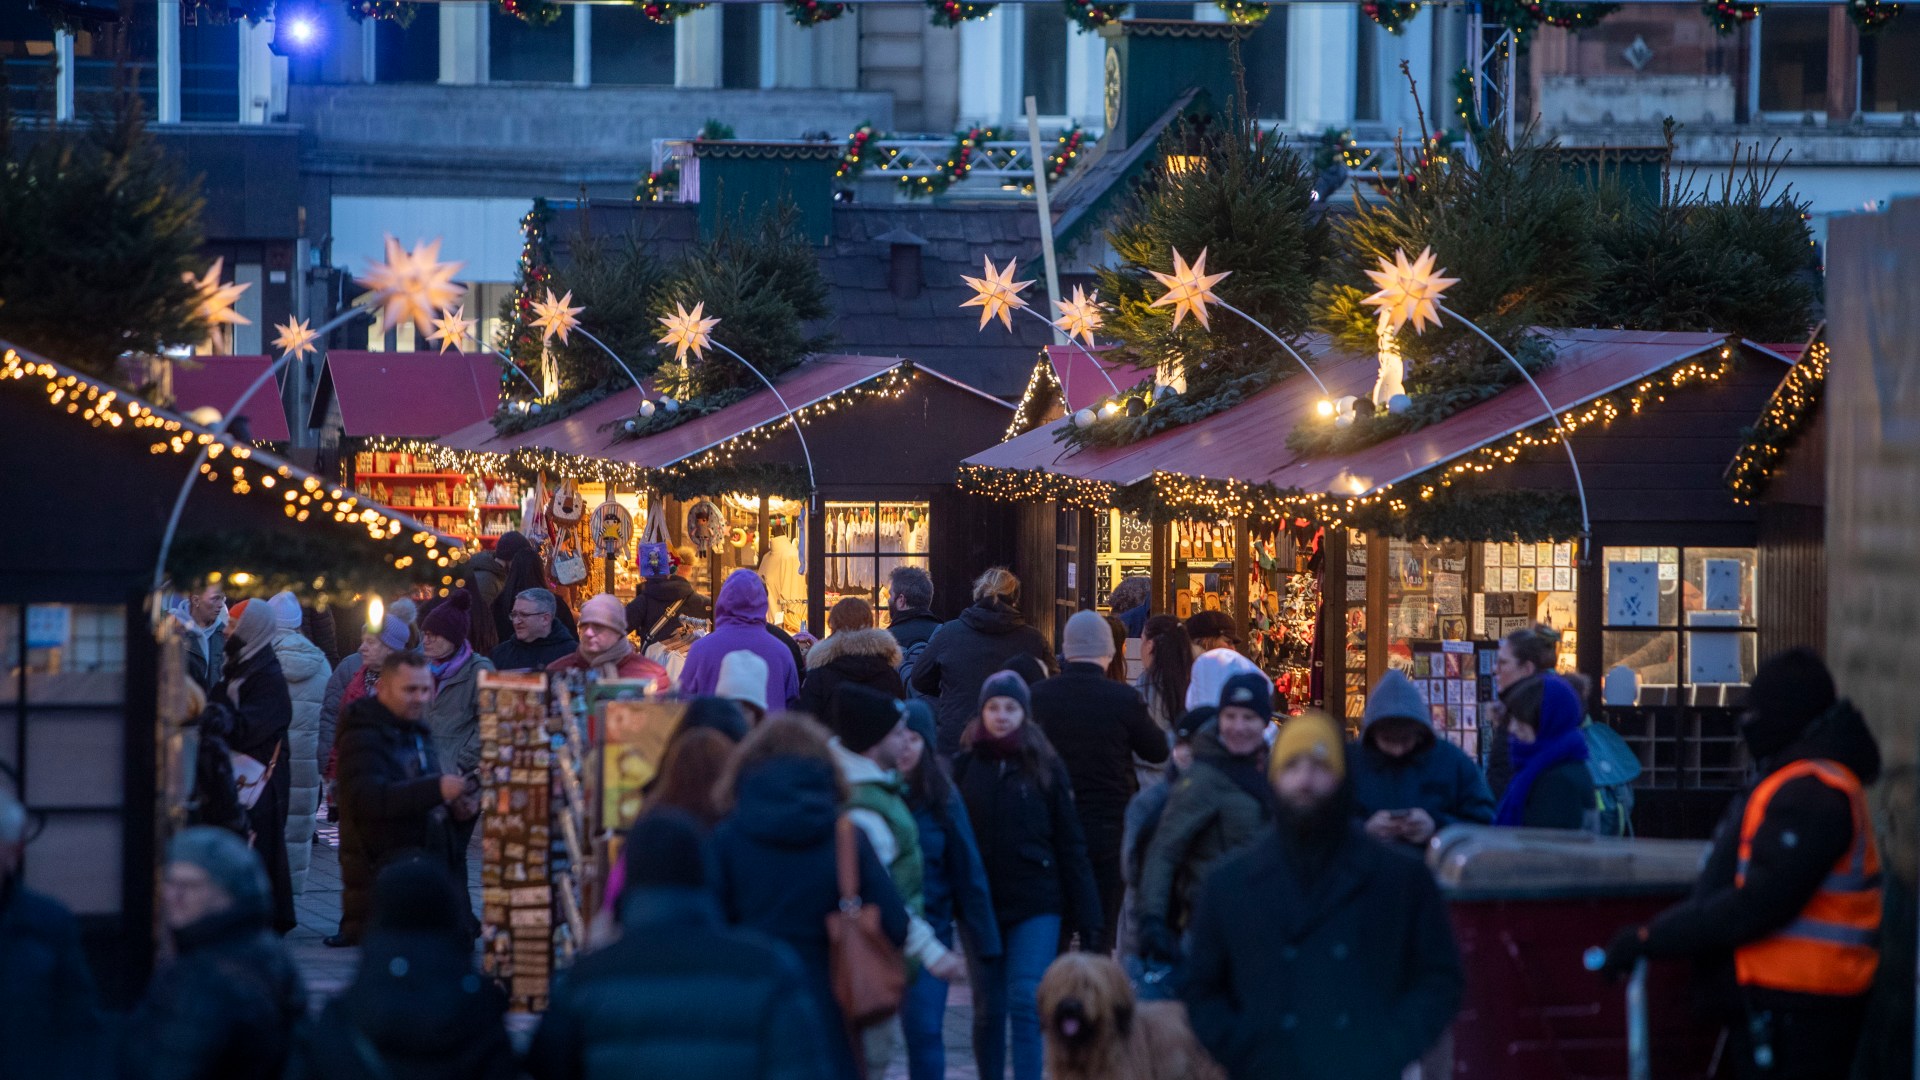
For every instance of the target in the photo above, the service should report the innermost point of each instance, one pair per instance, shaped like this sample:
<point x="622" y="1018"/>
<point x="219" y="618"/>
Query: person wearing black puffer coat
<point x="962" y="653"/>
<point x="774" y="858"/>
<point x="680" y="994"/>
<point x="854" y="653"/>
<point x="261" y="711"/>
<point x="226" y="1006"/>
<point x="417" y="1009"/>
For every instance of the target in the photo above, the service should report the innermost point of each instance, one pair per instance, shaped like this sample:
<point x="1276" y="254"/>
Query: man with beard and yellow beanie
<point x="1319" y="952"/>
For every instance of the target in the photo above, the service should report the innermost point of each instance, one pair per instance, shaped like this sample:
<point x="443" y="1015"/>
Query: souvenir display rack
<point x="476" y="508"/>
<point x="1283" y="611"/>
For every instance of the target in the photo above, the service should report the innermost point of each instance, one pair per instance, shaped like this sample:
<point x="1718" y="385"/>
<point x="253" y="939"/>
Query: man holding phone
<point x="1408" y="783"/>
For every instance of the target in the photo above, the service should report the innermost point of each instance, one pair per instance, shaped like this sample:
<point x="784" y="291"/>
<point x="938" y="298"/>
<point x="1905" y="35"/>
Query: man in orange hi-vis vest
<point x="1786" y="915"/>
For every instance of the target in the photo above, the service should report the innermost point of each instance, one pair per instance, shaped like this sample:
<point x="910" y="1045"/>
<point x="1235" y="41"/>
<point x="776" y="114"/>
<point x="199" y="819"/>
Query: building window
<point x="210" y="72"/>
<point x="407" y="54"/>
<point x="740" y="46"/>
<point x="1679" y="619"/>
<point x="1887" y="85"/>
<point x="62" y="728"/>
<point x="1043" y="61"/>
<point x="1264" y="54"/>
<point x="27" y="61"/>
<point x="119" y="55"/>
<point x="1366" y="68"/>
<point x="865" y="541"/>
<point x="517" y="52"/>
<point x="1793" y="60"/>
<point x="630" y="49"/>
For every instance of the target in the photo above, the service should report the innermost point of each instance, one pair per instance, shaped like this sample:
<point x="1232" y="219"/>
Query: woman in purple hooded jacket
<point x="740" y="623"/>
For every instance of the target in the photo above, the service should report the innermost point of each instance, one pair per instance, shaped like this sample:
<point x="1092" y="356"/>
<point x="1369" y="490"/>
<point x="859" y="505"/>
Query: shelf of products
<point x="1201" y="557"/>
<point x="1283" y="601"/>
<point x="477" y="509"/>
<point x="865" y="541"/>
<point x="1123" y="548"/>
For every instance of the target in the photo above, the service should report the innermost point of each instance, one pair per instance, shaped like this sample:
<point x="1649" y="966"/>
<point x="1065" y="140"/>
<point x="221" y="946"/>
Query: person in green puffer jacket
<point x="1217" y="807"/>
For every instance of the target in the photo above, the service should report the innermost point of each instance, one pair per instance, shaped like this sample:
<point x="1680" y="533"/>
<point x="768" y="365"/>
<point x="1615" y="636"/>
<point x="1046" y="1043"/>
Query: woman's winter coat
<point x="224" y="1009"/>
<point x="1521" y="701"/>
<point x="262" y="715"/>
<point x="1348" y="975"/>
<point x="866" y="657"/>
<point x="1207" y="817"/>
<point x="454" y="716"/>
<point x="955" y="889"/>
<point x="416" y="1010"/>
<point x="1030" y="842"/>
<point x="388" y="791"/>
<point x="963" y="652"/>
<point x="308" y="673"/>
<point x="740" y="622"/>
<point x="682" y="995"/>
<point x="656" y="597"/>
<point x="773" y="871"/>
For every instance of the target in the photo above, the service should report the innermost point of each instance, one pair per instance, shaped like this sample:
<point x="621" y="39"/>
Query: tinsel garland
<point x="1871" y="15"/>
<point x="1789" y="411"/>
<point x="307" y="565"/>
<point x="1088" y="15"/>
<point x="663" y="419"/>
<point x="813" y="12"/>
<point x="1728" y="16"/>
<point x="1388" y="15"/>
<point x="955" y="12"/>
<point x="532" y="12"/>
<point x="398" y="12"/>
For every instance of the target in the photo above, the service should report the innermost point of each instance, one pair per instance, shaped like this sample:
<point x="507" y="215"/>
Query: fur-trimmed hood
<point x="877" y="644"/>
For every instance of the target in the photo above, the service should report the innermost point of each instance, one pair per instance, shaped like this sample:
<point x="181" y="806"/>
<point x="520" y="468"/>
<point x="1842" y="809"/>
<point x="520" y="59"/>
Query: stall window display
<point x="1122" y="548"/>
<point x="1527" y="583"/>
<point x="1353" y="608"/>
<point x="477" y="509"/>
<point x="1283" y="604"/>
<point x="1677" y="618"/>
<point x="1201" y="554"/>
<point x="865" y="541"/>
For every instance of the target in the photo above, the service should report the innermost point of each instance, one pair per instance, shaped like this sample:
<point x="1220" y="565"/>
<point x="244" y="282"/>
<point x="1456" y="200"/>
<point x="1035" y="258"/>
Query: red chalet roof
<point x="582" y="434"/>
<point x="1080" y="375"/>
<point x="402" y="394"/>
<point x="1248" y="442"/>
<point x="218" y="382"/>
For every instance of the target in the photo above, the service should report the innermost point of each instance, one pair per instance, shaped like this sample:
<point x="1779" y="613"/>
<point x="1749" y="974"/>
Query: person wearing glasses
<point x="538" y="637"/>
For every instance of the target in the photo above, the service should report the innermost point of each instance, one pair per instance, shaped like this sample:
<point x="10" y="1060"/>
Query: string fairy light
<point x="1789" y="410"/>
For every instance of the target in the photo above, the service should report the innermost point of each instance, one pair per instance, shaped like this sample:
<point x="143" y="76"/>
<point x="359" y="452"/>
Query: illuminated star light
<point x="996" y="294"/>
<point x="453" y="330"/>
<point x="213" y="301"/>
<point x="296" y="338"/>
<point x="410" y="286"/>
<point x="687" y="331"/>
<point x="1409" y="292"/>
<point x="1189" y="289"/>
<point x="1079" y="316"/>
<point x="554" y="318"/>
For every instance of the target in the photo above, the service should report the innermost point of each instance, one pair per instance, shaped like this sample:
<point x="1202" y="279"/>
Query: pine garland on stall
<point x="1088" y="15"/>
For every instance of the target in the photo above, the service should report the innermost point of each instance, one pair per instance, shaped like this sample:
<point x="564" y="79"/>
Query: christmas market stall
<point x="95" y="726"/>
<point x="1781" y="471"/>
<point x="1420" y="550"/>
<point x="871" y="488"/>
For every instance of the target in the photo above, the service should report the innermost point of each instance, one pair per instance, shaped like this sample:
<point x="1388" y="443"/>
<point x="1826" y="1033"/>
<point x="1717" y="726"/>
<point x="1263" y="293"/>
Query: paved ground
<point x="328" y="971"/>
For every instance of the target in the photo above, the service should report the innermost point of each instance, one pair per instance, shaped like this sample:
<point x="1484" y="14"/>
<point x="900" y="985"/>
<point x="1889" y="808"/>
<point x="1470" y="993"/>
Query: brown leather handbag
<point x="869" y="974"/>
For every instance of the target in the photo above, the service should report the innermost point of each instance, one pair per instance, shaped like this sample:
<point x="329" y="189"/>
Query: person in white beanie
<point x="306" y="669"/>
<point x="743" y="681"/>
<point x="1097" y="726"/>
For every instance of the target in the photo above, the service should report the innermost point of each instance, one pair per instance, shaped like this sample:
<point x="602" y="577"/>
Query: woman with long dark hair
<point x="954" y="889"/>
<point x="1166" y="666"/>
<point x="1020" y="799"/>
<point x="1527" y="656"/>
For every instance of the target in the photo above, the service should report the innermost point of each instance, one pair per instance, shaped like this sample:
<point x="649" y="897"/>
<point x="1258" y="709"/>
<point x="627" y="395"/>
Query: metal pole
<point x="583" y="332"/>
<point x="1566" y="441"/>
<point x="1075" y="342"/>
<point x="1046" y="215"/>
<point x="813" y="489"/>
<point x="1508" y="105"/>
<point x="1282" y="342"/>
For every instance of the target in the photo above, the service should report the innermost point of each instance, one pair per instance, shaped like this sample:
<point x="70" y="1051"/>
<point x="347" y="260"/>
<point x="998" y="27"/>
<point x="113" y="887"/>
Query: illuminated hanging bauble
<point x="631" y="426"/>
<point x="647" y="408"/>
<point x="1083" y="419"/>
<point x="669" y="404"/>
<point x="1109" y="410"/>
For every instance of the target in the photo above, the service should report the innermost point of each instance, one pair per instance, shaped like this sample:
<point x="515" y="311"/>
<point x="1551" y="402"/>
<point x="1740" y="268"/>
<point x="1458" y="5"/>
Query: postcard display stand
<point x="564" y="758"/>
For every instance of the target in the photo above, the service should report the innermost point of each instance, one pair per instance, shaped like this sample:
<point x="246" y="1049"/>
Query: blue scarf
<point x="440" y="669"/>
<point x="1557" y="739"/>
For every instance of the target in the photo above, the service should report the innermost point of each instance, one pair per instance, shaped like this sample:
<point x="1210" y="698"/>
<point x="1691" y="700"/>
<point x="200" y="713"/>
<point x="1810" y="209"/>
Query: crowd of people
<point x="953" y="792"/>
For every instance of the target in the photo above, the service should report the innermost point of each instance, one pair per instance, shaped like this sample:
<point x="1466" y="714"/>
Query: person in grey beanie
<point x="1409" y="783"/>
<point x="225" y="1007"/>
<point x="1098" y="726"/>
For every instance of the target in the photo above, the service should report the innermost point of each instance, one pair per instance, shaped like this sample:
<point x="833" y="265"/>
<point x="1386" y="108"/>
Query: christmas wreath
<point x="532" y="12"/>
<point x="1871" y="15"/>
<point x="1243" y="14"/>
<point x="665" y="13"/>
<point x="398" y="12"/>
<point x="854" y="161"/>
<point x="659" y="186"/>
<point x="1390" y="16"/>
<point x="1565" y="14"/>
<point x="813" y="12"/>
<point x="1727" y="16"/>
<point x="955" y="12"/>
<point x="1088" y="15"/>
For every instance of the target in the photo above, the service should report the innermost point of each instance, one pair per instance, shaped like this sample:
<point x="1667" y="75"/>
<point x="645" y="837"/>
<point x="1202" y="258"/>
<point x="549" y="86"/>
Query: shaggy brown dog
<point x="1096" y="1030"/>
